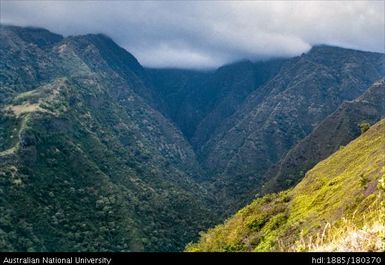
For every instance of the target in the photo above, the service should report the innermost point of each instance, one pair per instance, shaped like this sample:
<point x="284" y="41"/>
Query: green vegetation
<point x="85" y="163"/>
<point x="364" y="126"/>
<point x="333" y="133"/>
<point x="280" y="113"/>
<point x="98" y="153"/>
<point x="327" y="210"/>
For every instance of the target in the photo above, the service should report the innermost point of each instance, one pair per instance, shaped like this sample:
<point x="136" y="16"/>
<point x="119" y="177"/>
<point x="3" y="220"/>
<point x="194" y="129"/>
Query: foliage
<point x="333" y="133"/>
<point x="364" y="126"/>
<point x="90" y="158"/>
<point x="85" y="163"/>
<point x="328" y="206"/>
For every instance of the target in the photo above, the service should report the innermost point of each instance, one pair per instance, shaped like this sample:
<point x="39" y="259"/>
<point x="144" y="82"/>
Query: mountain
<point x="335" y="131"/>
<point x="98" y="153"/>
<point x="243" y="118"/>
<point x="338" y="206"/>
<point x="86" y="161"/>
<point x="198" y="102"/>
<point x="279" y="114"/>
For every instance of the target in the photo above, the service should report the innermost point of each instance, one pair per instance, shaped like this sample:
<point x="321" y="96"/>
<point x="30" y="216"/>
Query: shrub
<point x="364" y="126"/>
<point x="257" y="223"/>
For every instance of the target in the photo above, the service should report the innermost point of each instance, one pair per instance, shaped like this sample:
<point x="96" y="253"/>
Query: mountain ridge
<point x="335" y="131"/>
<point x="299" y="98"/>
<point x="148" y="152"/>
<point x="86" y="157"/>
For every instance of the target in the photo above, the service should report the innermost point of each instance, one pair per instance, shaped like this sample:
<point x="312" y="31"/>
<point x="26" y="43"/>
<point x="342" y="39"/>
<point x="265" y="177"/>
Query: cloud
<point x="201" y="34"/>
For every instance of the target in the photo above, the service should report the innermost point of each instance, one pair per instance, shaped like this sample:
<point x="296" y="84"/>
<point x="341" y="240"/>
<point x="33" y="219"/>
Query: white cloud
<point x="176" y="57"/>
<point x="206" y="34"/>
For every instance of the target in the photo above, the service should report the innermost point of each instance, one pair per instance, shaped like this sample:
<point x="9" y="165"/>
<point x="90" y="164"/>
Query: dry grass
<point x="348" y="236"/>
<point x="8" y="151"/>
<point x="367" y="239"/>
<point x="19" y="110"/>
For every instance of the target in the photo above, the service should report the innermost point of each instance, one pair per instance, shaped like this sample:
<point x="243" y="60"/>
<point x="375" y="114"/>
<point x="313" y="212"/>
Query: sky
<point x="207" y="34"/>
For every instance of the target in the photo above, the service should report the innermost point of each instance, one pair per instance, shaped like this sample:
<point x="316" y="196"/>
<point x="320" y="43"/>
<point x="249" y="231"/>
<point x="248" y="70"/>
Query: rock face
<point x="99" y="153"/>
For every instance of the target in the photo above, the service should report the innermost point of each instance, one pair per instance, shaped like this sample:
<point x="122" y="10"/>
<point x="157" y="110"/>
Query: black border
<point x="207" y="258"/>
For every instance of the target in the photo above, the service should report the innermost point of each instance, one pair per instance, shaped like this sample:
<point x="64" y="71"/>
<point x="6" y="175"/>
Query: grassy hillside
<point x="339" y="205"/>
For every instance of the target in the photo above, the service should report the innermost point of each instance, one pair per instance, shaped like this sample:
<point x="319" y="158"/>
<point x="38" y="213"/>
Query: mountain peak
<point x="91" y="37"/>
<point x="38" y="36"/>
<point x="326" y="48"/>
<point x="112" y="53"/>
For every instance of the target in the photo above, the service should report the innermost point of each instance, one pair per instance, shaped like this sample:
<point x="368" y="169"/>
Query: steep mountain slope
<point x="235" y="83"/>
<point x="118" y="60"/>
<point x="198" y="102"/>
<point x="305" y="91"/>
<point x="86" y="164"/>
<point x="337" y="206"/>
<point x="186" y="102"/>
<point x="335" y="131"/>
<point x="23" y="51"/>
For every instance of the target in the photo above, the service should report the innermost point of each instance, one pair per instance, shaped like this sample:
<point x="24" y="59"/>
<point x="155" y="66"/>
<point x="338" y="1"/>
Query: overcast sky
<point x="209" y="33"/>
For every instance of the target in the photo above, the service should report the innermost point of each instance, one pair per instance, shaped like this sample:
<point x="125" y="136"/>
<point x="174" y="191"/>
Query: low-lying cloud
<point x="200" y="34"/>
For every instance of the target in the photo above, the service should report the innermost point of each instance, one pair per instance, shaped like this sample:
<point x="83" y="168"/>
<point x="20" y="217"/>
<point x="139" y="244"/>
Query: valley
<point x="98" y="153"/>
